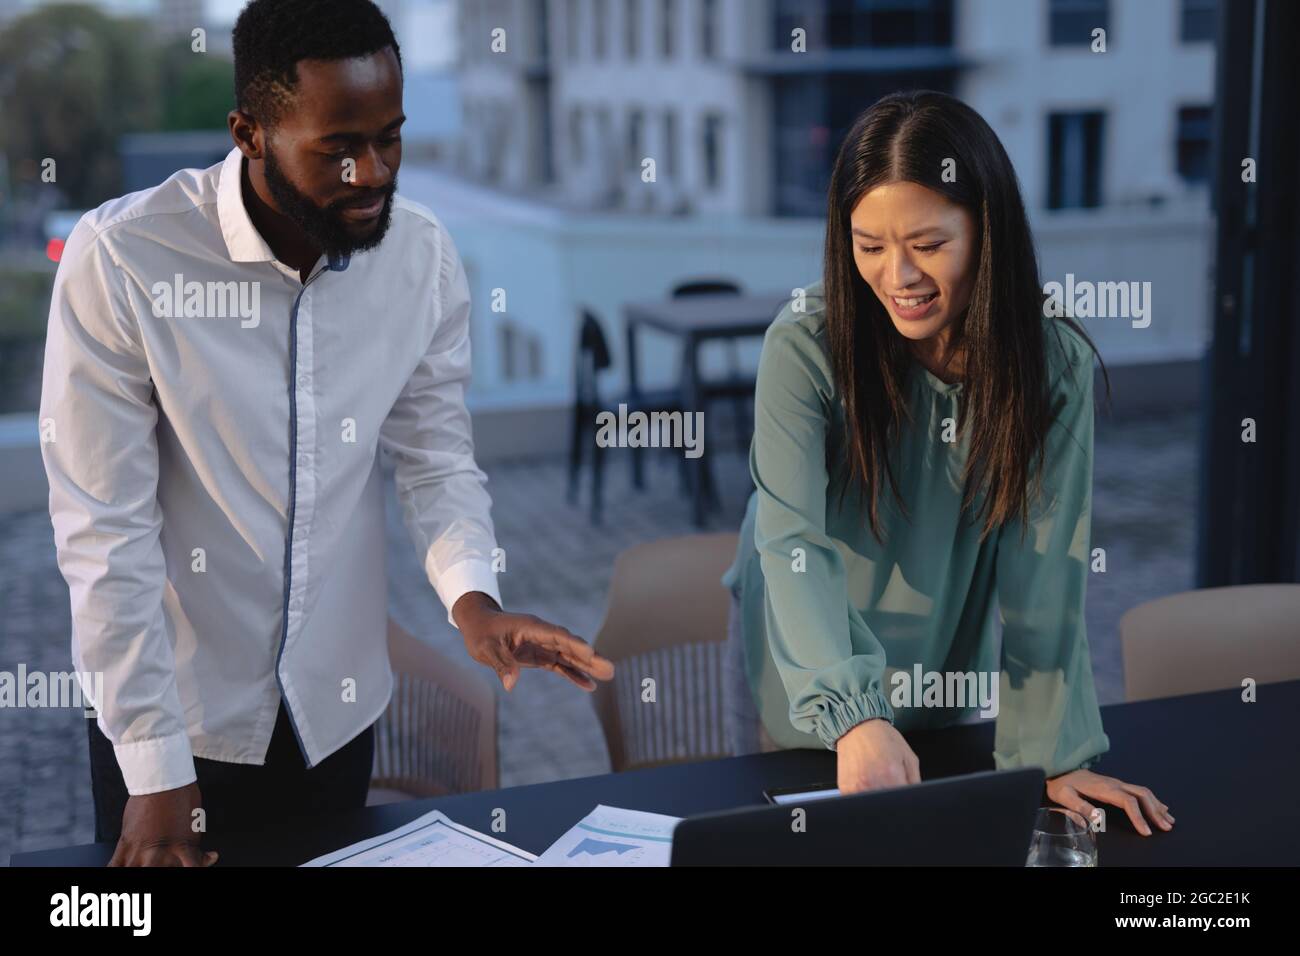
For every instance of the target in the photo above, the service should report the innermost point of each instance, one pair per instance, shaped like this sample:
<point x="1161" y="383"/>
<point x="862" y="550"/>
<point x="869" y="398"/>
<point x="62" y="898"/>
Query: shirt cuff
<point x="156" y="764"/>
<point x="847" y="714"/>
<point x="471" y="574"/>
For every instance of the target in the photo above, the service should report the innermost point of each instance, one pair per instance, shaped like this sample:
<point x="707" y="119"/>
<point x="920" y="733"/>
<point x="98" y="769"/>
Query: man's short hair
<point x="271" y="36"/>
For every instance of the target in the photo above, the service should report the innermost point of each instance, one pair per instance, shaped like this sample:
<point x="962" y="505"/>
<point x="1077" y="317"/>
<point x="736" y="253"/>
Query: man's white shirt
<point x="215" y="487"/>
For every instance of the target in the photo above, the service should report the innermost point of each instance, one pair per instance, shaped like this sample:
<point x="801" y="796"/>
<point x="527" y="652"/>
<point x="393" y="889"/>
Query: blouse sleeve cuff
<point x="846" y="714"/>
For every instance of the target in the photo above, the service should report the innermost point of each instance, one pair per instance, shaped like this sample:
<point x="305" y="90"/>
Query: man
<point x="227" y="353"/>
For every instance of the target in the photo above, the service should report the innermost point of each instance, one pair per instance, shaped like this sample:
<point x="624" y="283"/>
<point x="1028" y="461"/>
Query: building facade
<point x="741" y="103"/>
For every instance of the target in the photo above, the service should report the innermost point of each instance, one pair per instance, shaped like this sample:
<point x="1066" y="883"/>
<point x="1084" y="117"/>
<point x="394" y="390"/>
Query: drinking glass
<point x="1061" y="838"/>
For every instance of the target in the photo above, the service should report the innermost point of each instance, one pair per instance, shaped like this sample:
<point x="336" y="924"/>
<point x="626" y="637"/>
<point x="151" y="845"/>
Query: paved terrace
<point x="559" y="568"/>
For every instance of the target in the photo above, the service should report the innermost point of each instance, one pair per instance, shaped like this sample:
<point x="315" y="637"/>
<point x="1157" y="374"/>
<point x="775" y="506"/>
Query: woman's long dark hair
<point x="906" y="137"/>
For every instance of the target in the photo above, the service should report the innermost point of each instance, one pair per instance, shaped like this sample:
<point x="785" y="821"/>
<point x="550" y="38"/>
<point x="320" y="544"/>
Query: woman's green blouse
<point x="840" y="628"/>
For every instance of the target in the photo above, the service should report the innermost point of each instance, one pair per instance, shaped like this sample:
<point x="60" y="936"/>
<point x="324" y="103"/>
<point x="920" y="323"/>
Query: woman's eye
<point x="933" y="247"/>
<point x="869" y="250"/>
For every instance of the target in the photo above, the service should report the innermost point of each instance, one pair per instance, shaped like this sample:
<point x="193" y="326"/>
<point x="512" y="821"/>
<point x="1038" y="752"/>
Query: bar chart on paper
<point x="608" y="836"/>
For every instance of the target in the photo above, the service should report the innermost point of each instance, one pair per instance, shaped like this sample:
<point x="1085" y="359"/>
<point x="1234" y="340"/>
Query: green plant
<point x="24" y="303"/>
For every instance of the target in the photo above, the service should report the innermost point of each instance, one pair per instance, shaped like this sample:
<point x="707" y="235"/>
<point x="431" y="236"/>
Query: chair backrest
<point x="713" y="287"/>
<point x="1211" y="639"/>
<point x="666" y="620"/>
<point x="705" y="287"/>
<point x="593" y="357"/>
<point x="439" y="733"/>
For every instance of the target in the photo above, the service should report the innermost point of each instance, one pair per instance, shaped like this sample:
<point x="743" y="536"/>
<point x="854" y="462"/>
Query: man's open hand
<point x="506" y="642"/>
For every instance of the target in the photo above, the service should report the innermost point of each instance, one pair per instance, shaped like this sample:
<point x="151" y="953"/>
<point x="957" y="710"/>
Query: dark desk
<point x="1228" y="771"/>
<point x="694" y="320"/>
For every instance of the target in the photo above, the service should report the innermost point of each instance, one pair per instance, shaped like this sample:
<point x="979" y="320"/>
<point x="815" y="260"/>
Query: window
<point x="576" y="144"/>
<point x="712" y="148"/>
<point x="1071" y="22"/>
<point x="864" y="24"/>
<point x="571" y="28"/>
<point x="495" y="131"/>
<point x="635" y="139"/>
<point x="1194" y="127"/>
<point x="604" y="141"/>
<point x="1199" y="20"/>
<point x="542" y="28"/>
<point x="520" y="352"/>
<point x="600" y="23"/>
<point x="631" y="28"/>
<point x="1074" y="150"/>
<point x="670" y="144"/>
<point x="667" y="14"/>
<point x="506" y="350"/>
<point x="786" y="16"/>
<point x="812" y="114"/>
<point x="708" y="29"/>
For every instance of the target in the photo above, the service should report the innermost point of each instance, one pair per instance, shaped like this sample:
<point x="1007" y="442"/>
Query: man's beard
<point x="324" y="225"/>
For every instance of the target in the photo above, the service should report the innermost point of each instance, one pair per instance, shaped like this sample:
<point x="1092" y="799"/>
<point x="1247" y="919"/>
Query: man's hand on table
<point x="506" y="642"/>
<point x="158" y="830"/>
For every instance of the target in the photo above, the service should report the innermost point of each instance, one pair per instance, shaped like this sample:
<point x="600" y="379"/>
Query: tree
<point x="72" y="80"/>
<point x="198" y="89"/>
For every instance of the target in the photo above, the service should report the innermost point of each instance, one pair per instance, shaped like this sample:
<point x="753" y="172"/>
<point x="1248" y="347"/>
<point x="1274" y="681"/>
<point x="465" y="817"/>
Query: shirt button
<point x="303" y="460"/>
<point x="304" y="381"/>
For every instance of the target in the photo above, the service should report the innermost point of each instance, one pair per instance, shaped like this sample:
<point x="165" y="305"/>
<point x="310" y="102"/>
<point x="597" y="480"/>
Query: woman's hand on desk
<point x="506" y="642"/>
<point x="1069" y="790"/>
<point x="872" y="756"/>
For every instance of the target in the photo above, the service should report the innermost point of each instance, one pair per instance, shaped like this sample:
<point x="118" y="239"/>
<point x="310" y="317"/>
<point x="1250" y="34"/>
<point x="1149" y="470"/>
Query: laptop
<point x="982" y="819"/>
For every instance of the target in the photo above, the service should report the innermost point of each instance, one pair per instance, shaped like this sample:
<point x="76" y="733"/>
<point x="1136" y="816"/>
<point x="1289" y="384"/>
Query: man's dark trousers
<point x="244" y="796"/>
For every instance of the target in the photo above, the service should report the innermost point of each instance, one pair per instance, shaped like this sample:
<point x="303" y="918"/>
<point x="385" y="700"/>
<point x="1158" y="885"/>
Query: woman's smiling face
<point x="916" y="250"/>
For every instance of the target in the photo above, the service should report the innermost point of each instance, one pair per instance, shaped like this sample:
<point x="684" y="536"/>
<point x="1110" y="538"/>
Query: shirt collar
<point x="243" y="241"/>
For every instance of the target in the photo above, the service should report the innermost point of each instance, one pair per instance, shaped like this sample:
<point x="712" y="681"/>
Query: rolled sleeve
<point x="445" y="504"/>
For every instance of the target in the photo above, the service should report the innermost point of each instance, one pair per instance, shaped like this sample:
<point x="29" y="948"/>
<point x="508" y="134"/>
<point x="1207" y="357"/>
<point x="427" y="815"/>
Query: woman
<point x="923" y="360"/>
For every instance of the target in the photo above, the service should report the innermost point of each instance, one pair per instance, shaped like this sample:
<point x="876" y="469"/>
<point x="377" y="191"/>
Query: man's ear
<point x="247" y="133"/>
